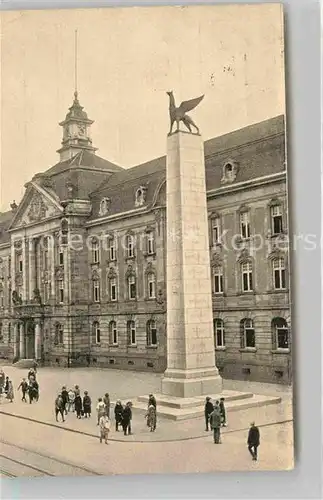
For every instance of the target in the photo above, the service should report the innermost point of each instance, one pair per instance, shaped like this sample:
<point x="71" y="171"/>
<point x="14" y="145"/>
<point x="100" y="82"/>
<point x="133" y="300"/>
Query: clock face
<point x="81" y="129"/>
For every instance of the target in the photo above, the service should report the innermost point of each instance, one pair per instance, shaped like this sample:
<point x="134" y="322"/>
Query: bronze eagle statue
<point x="179" y="114"/>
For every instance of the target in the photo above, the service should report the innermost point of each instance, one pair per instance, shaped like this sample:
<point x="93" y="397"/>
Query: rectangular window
<point x="245" y="225"/>
<point x="112" y="249"/>
<point x="132" y="333"/>
<point x="276" y="219"/>
<point x="132" y="287"/>
<point x="96" y="291"/>
<point x="279" y="274"/>
<point x="219" y="333"/>
<point x="95" y="252"/>
<point x="130" y="246"/>
<point x="152" y="333"/>
<point x="20" y="263"/>
<point x="218" y="280"/>
<point x="113" y="289"/>
<point x="216" y="230"/>
<point x="150" y="242"/>
<point x="61" y="257"/>
<point x="247" y="284"/>
<point x="61" y="291"/>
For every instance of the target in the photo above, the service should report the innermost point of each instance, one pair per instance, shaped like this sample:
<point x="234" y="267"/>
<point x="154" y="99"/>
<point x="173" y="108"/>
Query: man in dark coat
<point x="59" y="407"/>
<point x="223" y="413"/>
<point x="253" y="440"/>
<point x="208" y="408"/>
<point x="126" y="419"/>
<point x="78" y="406"/>
<point x="215" y="421"/>
<point x="87" y="403"/>
<point x="64" y="394"/>
<point x="152" y="401"/>
<point x="118" y="412"/>
<point x="24" y="389"/>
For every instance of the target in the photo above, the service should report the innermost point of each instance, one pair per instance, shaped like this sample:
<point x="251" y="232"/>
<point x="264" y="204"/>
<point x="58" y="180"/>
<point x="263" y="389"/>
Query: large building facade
<point x="83" y="257"/>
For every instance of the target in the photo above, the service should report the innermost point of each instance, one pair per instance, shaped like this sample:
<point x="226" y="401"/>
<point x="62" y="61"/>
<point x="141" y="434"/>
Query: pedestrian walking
<point x="106" y="401"/>
<point x="100" y="409"/>
<point x="10" y="393"/>
<point x="71" y="401"/>
<point x="87" y="404"/>
<point x="65" y="398"/>
<point x="59" y="407"/>
<point x="104" y="424"/>
<point x="118" y="412"/>
<point x="152" y="401"/>
<point x="78" y="406"/>
<point x="2" y="381"/>
<point x="151" y="418"/>
<point x="253" y="441"/>
<point x="6" y="385"/>
<point x="215" y="421"/>
<point x="126" y="418"/>
<point x="24" y="389"/>
<point x="208" y="408"/>
<point x="33" y="390"/>
<point x="223" y="413"/>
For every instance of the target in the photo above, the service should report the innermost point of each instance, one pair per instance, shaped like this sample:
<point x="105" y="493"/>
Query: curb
<point x="84" y="433"/>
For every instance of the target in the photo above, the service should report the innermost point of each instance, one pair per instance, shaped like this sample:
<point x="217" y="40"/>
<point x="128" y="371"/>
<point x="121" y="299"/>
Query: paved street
<point x="174" y="447"/>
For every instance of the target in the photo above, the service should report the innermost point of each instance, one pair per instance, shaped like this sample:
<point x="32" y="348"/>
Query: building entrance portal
<point x="29" y="339"/>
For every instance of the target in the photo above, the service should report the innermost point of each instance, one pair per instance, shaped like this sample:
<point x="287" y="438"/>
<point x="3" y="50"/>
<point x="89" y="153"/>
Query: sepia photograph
<point x="145" y="298"/>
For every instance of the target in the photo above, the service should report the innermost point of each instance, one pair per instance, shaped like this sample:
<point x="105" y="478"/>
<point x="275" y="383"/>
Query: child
<point x="223" y="413"/>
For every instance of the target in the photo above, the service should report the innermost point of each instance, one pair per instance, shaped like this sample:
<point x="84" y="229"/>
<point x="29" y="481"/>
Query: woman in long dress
<point x="151" y="418"/>
<point x="10" y="394"/>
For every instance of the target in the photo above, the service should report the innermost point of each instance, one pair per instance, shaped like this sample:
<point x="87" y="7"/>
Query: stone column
<point x="25" y="291"/>
<point x="37" y="341"/>
<point x="31" y="270"/>
<point x="191" y="369"/>
<point x="13" y="267"/>
<point x="51" y="259"/>
<point x="21" y="341"/>
<point x="15" y="339"/>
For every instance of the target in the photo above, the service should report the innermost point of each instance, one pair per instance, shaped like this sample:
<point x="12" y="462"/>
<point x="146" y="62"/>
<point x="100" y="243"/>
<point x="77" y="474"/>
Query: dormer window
<point x="229" y="172"/>
<point x="140" y="198"/>
<point x="104" y="206"/>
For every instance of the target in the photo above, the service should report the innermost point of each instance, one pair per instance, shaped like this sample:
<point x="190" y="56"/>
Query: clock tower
<point x="76" y="132"/>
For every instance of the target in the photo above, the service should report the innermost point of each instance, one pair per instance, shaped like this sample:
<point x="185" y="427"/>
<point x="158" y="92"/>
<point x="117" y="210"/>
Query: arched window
<point x="279" y="273"/>
<point x="280" y="333"/>
<point x="96" y="332"/>
<point x="59" y="334"/>
<point x="219" y="334"/>
<point x="113" y="332"/>
<point x="151" y="333"/>
<point x="151" y="285"/>
<point x="150" y="242"/>
<point x="247" y="331"/>
<point x="131" y="332"/>
<point x="95" y="251"/>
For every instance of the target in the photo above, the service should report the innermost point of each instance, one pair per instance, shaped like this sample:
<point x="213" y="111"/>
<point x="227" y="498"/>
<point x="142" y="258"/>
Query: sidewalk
<point x="128" y="386"/>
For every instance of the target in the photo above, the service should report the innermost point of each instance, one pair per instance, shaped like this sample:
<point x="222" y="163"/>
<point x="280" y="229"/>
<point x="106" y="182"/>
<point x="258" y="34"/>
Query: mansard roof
<point x="5" y="220"/>
<point x="84" y="159"/>
<point x="258" y="150"/>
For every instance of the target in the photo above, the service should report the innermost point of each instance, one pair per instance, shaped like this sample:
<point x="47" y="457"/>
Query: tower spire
<point x="75" y="65"/>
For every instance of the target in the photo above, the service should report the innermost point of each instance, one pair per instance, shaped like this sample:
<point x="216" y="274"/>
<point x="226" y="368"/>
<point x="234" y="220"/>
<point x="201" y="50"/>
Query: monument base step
<point x="188" y="408"/>
<point x="24" y="363"/>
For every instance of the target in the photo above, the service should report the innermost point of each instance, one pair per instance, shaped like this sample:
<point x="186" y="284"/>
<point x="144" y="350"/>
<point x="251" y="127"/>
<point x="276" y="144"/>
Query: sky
<point x="127" y="59"/>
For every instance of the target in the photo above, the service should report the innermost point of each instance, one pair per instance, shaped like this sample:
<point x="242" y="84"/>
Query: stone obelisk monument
<point x="191" y="369"/>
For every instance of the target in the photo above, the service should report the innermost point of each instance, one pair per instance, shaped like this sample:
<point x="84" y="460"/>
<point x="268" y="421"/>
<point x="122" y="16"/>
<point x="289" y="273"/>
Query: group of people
<point x="215" y="417"/>
<point x="72" y="401"/>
